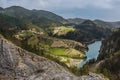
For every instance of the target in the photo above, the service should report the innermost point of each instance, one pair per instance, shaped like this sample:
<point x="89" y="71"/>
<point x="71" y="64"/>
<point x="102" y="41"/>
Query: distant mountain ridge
<point x="47" y="20"/>
<point x="75" y="20"/>
<point x="97" y="21"/>
<point x="20" y="12"/>
<point x="1" y="8"/>
<point x="87" y="32"/>
<point x="108" y="24"/>
<point x="11" y="23"/>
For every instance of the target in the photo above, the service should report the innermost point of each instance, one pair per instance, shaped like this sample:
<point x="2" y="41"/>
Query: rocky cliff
<point x="110" y="46"/>
<point x="109" y="57"/>
<point x="19" y="64"/>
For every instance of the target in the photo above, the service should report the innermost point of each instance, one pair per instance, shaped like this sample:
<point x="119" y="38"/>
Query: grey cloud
<point x="52" y="4"/>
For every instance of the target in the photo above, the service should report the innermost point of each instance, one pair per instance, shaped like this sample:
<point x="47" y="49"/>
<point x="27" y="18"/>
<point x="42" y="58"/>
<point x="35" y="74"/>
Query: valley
<point x="39" y="38"/>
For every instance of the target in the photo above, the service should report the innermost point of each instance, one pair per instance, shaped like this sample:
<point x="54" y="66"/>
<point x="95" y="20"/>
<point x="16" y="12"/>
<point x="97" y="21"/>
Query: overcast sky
<point x="90" y="9"/>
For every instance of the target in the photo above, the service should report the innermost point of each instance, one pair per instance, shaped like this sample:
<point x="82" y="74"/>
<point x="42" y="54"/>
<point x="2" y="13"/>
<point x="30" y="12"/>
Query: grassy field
<point x="69" y="52"/>
<point x="62" y="30"/>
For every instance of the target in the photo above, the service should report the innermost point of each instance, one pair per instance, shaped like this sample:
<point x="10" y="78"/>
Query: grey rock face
<point x="18" y="64"/>
<point x="92" y="76"/>
<point x="109" y="46"/>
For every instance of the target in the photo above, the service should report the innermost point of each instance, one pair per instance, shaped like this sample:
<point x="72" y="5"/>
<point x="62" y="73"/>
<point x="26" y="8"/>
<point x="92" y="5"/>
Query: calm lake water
<point x="91" y="53"/>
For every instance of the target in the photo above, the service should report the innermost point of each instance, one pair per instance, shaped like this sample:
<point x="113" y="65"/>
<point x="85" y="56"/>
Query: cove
<point x="91" y="53"/>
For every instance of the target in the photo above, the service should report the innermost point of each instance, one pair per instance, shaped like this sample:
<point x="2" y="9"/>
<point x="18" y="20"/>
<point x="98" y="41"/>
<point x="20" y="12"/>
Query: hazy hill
<point x="108" y="24"/>
<point x="11" y="23"/>
<point x="38" y="17"/>
<point x="75" y="20"/>
<point x="49" y="15"/>
<point x="21" y="12"/>
<point x="97" y="21"/>
<point x="35" y="16"/>
<point x="85" y="32"/>
<point x="1" y="8"/>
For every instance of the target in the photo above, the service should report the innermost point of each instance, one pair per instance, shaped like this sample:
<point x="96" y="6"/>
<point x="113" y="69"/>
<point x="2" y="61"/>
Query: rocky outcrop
<point x="110" y="46"/>
<point x="92" y="76"/>
<point x="109" y="57"/>
<point x="19" y="64"/>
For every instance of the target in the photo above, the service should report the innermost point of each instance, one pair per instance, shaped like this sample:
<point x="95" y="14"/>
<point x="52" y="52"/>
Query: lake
<point x="91" y="53"/>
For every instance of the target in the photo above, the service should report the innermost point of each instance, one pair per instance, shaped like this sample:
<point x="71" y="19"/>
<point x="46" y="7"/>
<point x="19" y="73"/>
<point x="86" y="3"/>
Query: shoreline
<point x="88" y="50"/>
<point x="92" y="41"/>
